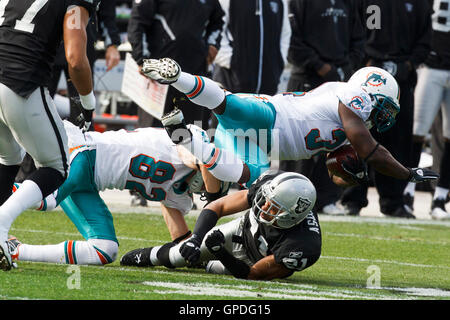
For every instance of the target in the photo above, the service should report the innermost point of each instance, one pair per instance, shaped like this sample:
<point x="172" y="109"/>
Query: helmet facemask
<point x="384" y="113"/>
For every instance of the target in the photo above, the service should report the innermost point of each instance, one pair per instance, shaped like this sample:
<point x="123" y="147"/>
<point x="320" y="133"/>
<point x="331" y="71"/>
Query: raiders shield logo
<point x="302" y="205"/>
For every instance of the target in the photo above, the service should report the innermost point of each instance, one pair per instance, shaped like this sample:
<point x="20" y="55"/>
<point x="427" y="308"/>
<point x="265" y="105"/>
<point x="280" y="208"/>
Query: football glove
<point x="84" y="119"/>
<point x="417" y="175"/>
<point x="357" y="169"/>
<point x="190" y="249"/>
<point x="215" y="241"/>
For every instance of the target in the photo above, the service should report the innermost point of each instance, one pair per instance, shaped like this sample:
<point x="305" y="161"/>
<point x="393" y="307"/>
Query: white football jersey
<point x="308" y="123"/>
<point x="144" y="159"/>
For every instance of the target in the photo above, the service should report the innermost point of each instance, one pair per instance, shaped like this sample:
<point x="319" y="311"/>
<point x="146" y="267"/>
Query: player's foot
<point x="164" y="71"/>
<point x="334" y="208"/>
<point x="137" y="258"/>
<point x="13" y="247"/>
<point x="438" y="211"/>
<point x="5" y="258"/>
<point x="176" y="127"/>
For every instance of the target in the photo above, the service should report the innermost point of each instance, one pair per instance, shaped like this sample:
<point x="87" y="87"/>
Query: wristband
<point x="88" y="101"/>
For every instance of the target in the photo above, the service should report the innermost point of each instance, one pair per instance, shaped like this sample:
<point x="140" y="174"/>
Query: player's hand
<point x="357" y="169"/>
<point x="417" y="175"/>
<point x="215" y="241"/>
<point x="84" y="120"/>
<point x="190" y="249"/>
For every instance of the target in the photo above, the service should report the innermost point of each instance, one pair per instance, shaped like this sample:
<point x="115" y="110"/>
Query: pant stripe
<point x="104" y="258"/>
<point x="57" y="133"/>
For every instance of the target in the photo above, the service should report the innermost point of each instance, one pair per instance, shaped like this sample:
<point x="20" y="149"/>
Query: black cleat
<point x="175" y="126"/>
<point x="137" y="258"/>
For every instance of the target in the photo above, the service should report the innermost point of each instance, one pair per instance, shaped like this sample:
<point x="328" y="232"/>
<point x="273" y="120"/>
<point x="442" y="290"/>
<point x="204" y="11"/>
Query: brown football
<point x="335" y="158"/>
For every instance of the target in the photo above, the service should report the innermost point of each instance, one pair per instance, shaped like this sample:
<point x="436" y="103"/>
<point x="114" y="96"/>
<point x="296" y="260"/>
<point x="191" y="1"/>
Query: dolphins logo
<point x="375" y="80"/>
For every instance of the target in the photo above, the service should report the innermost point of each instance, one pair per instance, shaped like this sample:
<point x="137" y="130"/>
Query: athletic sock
<point x="200" y="90"/>
<point x="223" y="164"/>
<point x="410" y="189"/>
<point x="24" y="198"/>
<point x="440" y="193"/>
<point x="67" y="252"/>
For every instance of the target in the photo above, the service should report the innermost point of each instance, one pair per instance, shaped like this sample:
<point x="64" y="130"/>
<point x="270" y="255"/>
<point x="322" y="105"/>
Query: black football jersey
<point x="30" y="32"/>
<point x="296" y="248"/>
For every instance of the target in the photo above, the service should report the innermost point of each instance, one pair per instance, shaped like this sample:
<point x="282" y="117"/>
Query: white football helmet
<point x="384" y="91"/>
<point x="291" y="196"/>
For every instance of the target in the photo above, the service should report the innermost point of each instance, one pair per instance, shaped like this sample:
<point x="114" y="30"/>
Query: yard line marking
<point x="210" y="289"/>
<point x="386" y="261"/>
<point x="355" y="235"/>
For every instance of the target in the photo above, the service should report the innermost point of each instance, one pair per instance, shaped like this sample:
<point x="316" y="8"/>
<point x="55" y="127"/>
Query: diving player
<point x="144" y="160"/>
<point x="288" y="126"/>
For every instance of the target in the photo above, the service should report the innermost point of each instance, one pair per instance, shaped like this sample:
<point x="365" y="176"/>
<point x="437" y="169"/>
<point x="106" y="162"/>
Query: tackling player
<point x="276" y="237"/>
<point x="30" y="32"/>
<point x="288" y="126"/>
<point x="144" y="160"/>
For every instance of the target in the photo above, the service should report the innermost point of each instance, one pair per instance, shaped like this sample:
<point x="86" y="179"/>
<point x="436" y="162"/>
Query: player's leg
<point x="438" y="210"/>
<point x="168" y="255"/>
<point x="93" y="220"/>
<point x="200" y="90"/>
<point x="36" y="126"/>
<point x="428" y="96"/>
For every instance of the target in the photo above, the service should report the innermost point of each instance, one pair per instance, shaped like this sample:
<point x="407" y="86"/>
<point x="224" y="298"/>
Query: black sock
<point x="7" y="177"/>
<point x="444" y="179"/>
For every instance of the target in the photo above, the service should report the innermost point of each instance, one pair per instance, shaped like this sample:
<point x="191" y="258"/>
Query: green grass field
<point x="362" y="259"/>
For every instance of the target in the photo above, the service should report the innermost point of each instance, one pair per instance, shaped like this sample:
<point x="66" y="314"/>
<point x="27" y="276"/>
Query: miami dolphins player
<point x="144" y="160"/>
<point x="290" y="125"/>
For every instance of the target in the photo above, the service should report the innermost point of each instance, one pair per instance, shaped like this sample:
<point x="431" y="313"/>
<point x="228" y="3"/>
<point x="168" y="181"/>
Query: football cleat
<point x="438" y="211"/>
<point x="13" y="247"/>
<point x="5" y="258"/>
<point x="164" y="71"/>
<point x="137" y="258"/>
<point x="175" y="126"/>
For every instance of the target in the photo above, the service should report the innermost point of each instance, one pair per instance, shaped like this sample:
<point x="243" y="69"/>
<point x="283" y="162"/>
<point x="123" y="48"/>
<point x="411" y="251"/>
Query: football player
<point x="30" y="32"/>
<point x="144" y="160"/>
<point x="288" y="126"/>
<point x="276" y="237"/>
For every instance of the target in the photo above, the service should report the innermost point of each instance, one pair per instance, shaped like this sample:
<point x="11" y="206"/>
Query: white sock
<point x="24" y="198"/>
<point x="91" y="252"/>
<point x="440" y="193"/>
<point x="48" y="204"/>
<point x="410" y="188"/>
<point x="223" y="164"/>
<point x="200" y="90"/>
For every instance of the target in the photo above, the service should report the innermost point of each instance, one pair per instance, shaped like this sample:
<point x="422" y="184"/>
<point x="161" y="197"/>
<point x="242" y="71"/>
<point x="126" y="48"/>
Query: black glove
<point x="215" y="241"/>
<point x="84" y="120"/>
<point x="421" y="175"/>
<point x="190" y="249"/>
<point x="357" y="169"/>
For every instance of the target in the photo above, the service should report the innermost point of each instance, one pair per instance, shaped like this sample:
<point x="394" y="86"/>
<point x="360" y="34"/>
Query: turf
<point x="362" y="259"/>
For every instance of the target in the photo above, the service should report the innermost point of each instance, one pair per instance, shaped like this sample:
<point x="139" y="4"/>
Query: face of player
<point x="270" y="208"/>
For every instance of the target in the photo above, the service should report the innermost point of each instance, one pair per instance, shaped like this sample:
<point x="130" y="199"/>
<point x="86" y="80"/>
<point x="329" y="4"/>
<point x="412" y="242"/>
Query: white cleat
<point x="164" y="71"/>
<point x="5" y="257"/>
<point x="439" y="214"/>
<point x="438" y="211"/>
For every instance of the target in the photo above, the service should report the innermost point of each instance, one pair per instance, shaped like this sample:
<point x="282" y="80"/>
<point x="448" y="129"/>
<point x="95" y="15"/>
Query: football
<point x="335" y="158"/>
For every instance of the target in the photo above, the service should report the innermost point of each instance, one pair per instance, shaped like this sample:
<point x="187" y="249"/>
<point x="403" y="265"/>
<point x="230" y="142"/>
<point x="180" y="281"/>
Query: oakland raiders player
<point x="288" y="126"/>
<point x="30" y="32"/>
<point x="278" y="236"/>
<point x="144" y="160"/>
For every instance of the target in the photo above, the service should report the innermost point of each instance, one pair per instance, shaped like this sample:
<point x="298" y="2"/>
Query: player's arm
<point x="230" y="204"/>
<point x="75" y="42"/>
<point x="367" y="147"/>
<point x="268" y="269"/>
